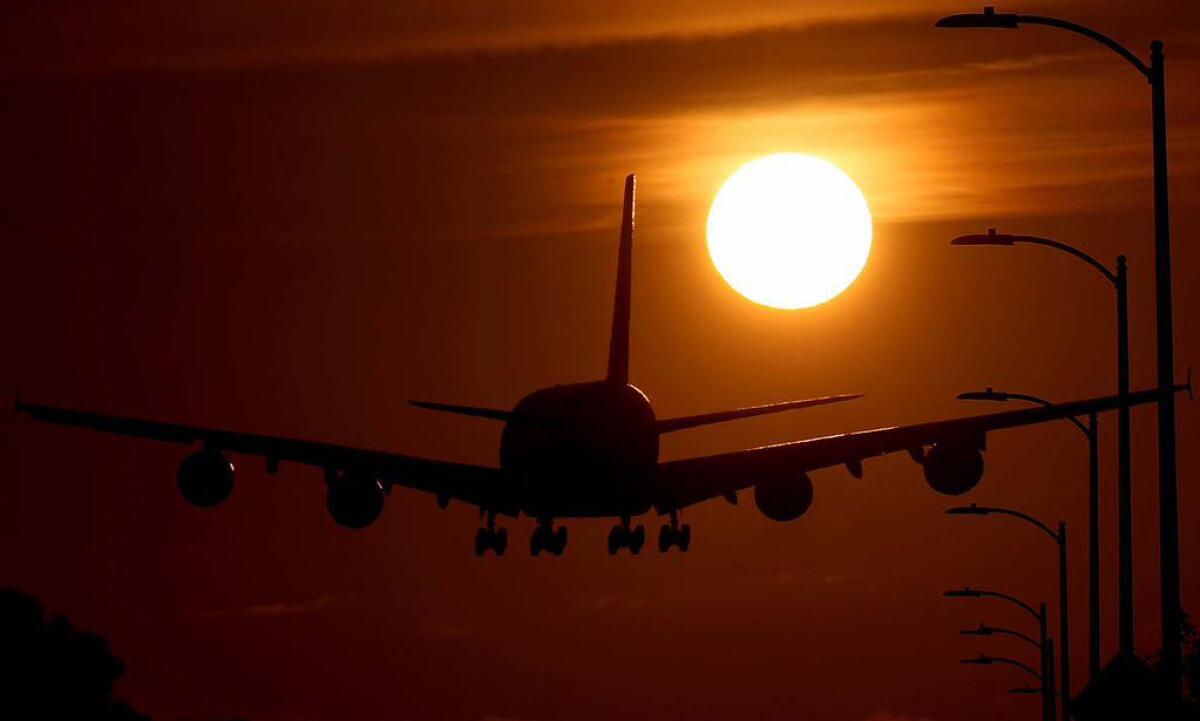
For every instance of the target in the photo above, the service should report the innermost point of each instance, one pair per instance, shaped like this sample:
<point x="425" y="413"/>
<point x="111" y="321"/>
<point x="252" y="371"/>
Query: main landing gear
<point x="674" y="535"/>
<point x="491" y="538"/>
<point x="622" y="537"/>
<point x="548" y="538"/>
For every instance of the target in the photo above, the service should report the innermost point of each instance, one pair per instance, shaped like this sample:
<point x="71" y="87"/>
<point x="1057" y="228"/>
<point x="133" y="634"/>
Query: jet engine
<point x="784" y="499"/>
<point x="953" y="467"/>
<point x="205" y="478"/>
<point x="354" y="500"/>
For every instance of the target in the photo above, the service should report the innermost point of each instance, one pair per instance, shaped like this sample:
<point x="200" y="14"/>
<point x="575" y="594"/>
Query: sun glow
<point x="789" y="231"/>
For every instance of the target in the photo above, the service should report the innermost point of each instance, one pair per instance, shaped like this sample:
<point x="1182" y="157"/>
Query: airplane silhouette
<point x="589" y="450"/>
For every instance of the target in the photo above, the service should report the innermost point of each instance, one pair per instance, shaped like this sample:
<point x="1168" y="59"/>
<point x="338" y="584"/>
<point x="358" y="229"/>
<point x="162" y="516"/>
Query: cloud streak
<point x="268" y="610"/>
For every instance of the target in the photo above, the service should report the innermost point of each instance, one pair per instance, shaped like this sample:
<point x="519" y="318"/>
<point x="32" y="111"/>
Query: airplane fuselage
<point x="583" y="449"/>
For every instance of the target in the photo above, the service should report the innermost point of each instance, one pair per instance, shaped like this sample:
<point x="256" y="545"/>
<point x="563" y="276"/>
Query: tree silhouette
<point x="51" y="670"/>
<point x="1133" y="688"/>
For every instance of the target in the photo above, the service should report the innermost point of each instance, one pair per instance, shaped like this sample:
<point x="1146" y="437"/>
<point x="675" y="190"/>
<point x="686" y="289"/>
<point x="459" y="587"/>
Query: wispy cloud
<point x="229" y="34"/>
<point x="887" y="716"/>
<point x="269" y="609"/>
<point x="615" y="602"/>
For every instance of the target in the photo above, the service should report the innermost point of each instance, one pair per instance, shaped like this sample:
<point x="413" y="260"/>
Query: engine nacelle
<point x="205" y="478"/>
<point x="354" y="500"/>
<point x="784" y="499"/>
<point x="953" y="467"/>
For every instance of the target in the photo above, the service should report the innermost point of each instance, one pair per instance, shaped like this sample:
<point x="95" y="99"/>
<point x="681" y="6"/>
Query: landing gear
<point x="491" y="538"/>
<point x="674" y="535"/>
<point x="548" y="538"/>
<point x="622" y="537"/>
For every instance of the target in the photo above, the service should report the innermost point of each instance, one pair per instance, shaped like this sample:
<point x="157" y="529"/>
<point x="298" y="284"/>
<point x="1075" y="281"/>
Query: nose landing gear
<point x="674" y="535"/>
<point x="548" y="538"/>
<point x="622" y="537"/>
<point x="491" y="538"/>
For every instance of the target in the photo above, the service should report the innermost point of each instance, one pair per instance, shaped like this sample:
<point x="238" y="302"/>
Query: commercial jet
<point x="588" y="450"/>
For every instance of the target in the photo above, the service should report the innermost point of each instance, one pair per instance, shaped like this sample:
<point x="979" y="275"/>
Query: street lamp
<point x="1119" y="280"/>
<point x="1025" y="690"/>
<point x="1039" y="615"/>
<point x="984" y="660"/>
<point x="1047" y="661"/>
<point x="1064" y="611"/>
<point x="1168" y="491"/>
<point x="1046" y="688"/>
<point x="986" y="630"/>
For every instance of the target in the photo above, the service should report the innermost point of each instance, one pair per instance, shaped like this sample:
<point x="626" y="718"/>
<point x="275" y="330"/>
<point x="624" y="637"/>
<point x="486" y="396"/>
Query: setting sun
<point x="789" y="231"/>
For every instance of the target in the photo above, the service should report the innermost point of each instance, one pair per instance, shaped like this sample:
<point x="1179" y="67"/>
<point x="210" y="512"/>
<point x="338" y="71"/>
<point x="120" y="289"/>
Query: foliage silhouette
<point x="1135" y="688"/>
<point x="51" y="670"/>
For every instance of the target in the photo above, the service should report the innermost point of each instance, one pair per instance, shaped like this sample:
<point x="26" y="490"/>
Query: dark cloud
<point x="488" y="143"/>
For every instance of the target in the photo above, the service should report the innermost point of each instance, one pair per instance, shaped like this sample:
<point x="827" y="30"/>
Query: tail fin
<point x="618" y="346"/>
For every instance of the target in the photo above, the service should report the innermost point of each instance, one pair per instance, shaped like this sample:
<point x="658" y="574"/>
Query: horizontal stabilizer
<point x="493" y="413"/>
<point x="677" y="424"/>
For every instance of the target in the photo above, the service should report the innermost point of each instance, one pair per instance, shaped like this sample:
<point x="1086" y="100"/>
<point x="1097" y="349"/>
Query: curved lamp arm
<point x="985" y="630"/>
<point x="975" y="510"/>
<point x="983" y="660"/>
<point x="994" y="395"/>
<point x="994" y="238"/>
<point x="989" y="18"/>
<point x="969" y="592"/>
<point x="1087" y="32"/>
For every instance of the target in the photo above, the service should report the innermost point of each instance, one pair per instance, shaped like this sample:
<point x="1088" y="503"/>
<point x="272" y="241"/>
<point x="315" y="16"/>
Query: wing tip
<point x="668" y="425"/>
<point x="824" y="400"/>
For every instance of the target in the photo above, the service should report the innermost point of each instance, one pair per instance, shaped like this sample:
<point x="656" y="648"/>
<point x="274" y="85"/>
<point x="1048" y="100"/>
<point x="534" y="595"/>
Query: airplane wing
<point x="669" y="425"/>
<point x="686" y="482"/>
<point x="476" y="485"/>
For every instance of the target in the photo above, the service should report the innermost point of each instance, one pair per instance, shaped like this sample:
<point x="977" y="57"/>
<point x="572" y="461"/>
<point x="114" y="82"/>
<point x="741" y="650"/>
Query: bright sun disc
<point x="789" y="231"/>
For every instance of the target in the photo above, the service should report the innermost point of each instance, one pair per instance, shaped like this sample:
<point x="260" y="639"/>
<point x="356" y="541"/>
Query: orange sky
<point x="293" y="217"/>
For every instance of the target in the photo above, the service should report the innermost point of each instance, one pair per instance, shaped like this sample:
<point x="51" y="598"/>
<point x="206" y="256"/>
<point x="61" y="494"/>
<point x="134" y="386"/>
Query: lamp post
<point x="1168" y="492"/>
<point x="985" y="630"/>
<point x="1046" y="660"/>
<point x="984" y="660"/>
<point x="1030" y="690"/>
<point x="1039" y="615"/>
<point x="1064" y="609"/>
<point x="1090" y="431"/>
<point x="1045" y="689"/>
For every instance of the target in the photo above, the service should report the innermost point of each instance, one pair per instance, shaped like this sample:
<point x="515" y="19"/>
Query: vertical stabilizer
<point x="618" y="346"/>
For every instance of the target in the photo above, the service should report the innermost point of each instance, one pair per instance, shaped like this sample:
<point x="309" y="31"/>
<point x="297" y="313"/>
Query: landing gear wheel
<point x="636" y="540"/>
<point x="616" y="540"/>
<point x="559" y="541"/>
<point x="622" y="536"/>
<point x="548" y="538"/>
<point x="491" y="540"/>
<point x="673" y="534"/>
<point x="664" y="538"/>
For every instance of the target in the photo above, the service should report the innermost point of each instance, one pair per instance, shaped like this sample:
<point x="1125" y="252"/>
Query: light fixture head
<point x="987" y="395"/>
<point x="989" y="238"/>
<point x="989" y="18"/>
